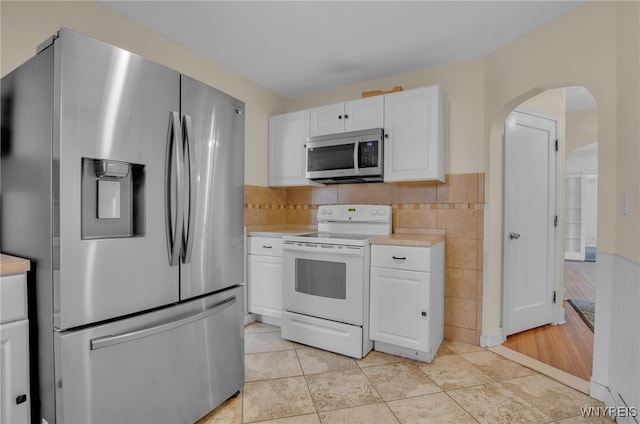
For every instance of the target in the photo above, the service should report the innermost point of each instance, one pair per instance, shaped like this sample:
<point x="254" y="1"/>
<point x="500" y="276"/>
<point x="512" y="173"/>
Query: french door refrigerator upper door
<point x="114" y="109"/>
<point x="213" y="124"/>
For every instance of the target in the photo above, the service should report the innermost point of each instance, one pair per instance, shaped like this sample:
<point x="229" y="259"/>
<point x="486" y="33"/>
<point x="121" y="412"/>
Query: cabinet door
<point x="327" y="119"/>
<point x="364" y="114"/>
<point x="14" y="393"/>
<point x="287" y="135"/>
<point x="399" y="308"/>
<point x="265" y="285"/>
<point x="414" y="135"/>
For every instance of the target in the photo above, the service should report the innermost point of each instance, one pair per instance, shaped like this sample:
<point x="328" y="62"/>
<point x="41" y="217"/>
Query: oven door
<point x="324" y="280"/>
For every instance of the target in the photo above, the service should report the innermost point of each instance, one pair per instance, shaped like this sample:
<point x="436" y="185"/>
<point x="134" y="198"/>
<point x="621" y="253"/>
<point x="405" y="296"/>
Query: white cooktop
<point x="348" y="224"/>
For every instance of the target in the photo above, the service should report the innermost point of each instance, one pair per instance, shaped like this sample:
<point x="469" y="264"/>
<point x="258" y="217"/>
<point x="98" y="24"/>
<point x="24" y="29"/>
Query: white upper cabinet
<point x="414" y="135"/>
<point x="327" y="119"/>
<point x="413" y="122"/>
<point x="354" y="115"/>
<point x="287" y="135"/>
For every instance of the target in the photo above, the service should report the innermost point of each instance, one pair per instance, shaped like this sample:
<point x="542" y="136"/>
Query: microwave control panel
<point x="368" y="154"/>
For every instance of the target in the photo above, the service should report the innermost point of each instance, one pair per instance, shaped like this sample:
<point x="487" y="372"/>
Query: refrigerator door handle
<point x="106" y="341"/>
<point x="189" y="224"/>
<point x="174" y="222"/>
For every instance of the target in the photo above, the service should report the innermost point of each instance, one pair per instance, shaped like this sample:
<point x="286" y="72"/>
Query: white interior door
<point x="530" y="221"/>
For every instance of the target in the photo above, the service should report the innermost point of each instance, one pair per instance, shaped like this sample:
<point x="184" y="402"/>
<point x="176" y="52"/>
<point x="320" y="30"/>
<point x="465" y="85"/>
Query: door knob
<point x="513" y="236"/>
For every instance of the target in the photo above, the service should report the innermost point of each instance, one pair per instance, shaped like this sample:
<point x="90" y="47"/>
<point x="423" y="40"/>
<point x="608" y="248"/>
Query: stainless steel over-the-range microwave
<point x="348" y="157"/>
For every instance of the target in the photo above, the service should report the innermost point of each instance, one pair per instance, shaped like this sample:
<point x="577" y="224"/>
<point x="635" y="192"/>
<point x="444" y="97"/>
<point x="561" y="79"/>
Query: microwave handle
<point x="356" y="146"/>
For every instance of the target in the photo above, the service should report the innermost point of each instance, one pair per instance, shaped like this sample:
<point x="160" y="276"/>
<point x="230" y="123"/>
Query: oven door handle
<point x="320" y="248"/>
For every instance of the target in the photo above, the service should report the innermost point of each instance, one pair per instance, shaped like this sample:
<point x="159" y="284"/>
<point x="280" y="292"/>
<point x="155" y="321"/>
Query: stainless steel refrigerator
<point x="122" y="180"/>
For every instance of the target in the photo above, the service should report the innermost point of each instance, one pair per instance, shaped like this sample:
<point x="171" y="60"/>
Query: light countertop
<point x="402" y="236"/>
<point x="13" y="265"/>
<point x="278" y="231"/>
<point x="421" y="240"/>
<point x="411" y="237"/>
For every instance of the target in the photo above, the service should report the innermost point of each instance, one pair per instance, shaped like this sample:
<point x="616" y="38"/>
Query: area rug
<point x="586" y="310"/>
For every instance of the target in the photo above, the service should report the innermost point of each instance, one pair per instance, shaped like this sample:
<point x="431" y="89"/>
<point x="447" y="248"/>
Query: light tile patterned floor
<point x="288" y="383"/>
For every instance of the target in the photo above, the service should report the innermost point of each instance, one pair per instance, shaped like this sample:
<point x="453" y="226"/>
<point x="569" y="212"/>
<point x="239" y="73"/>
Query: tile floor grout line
<point x="525" y="400"/>
<point x="473" y="417"/>
<point x="495" y="380"/>
<point x="384" y="401"/>
<point x="503" y="378"/>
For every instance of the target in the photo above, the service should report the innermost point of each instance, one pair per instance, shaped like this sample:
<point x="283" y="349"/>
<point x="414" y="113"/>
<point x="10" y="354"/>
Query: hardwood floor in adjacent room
<point x="567" y="347"/>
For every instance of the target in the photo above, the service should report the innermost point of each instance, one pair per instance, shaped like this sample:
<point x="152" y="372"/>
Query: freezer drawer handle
<point x="106" y="341"/>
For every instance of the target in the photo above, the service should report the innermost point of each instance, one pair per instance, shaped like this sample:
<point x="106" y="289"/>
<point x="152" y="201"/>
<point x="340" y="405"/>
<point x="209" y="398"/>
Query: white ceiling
<point x="295" y="48"/>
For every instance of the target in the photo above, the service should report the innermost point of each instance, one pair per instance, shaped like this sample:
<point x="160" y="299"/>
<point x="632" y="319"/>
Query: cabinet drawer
<point x="270" y="246"/>
<point x="13" y="295"/>
<point x="408" y="258"/>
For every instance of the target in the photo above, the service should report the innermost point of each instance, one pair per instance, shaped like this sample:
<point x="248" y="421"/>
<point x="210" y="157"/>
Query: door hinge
<point x="556" y="144"/>
<point x="554" y="296"/>
<point x="555" y="221"/>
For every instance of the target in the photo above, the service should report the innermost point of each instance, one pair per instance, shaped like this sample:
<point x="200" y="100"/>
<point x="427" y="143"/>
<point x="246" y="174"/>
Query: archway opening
<point x="565" y="342"/>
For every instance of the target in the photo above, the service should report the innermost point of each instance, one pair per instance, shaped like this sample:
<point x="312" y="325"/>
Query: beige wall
<point x="561" y="53"/>
<point x="582" y="128"/>
<point x="628" y="127"/>
<point x="25" y="24"/>
<point x="596" y="46"/>
<point x="577" y="49"/>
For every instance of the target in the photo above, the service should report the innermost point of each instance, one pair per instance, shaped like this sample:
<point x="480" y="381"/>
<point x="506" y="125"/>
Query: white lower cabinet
<point x="264" y="272"/>
<point x="407" y="300"/>
<point x="14" y="350"/>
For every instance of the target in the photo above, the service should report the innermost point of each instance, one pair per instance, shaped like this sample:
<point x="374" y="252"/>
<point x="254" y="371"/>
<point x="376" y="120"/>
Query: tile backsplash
<point x="457" y="206"/>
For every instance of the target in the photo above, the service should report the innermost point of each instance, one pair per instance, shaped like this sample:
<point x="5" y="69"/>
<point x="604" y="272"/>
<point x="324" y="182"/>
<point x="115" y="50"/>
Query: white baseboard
<point x="276" y="322"/>
<point x="249" y="318"/>
<point x="558" y="314"/>
<point x="491" y="340"/>
<point x="602" y="393"/>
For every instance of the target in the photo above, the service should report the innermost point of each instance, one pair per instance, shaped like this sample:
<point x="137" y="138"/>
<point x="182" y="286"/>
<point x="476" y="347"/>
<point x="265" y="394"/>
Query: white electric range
<point x="326" y="279"/>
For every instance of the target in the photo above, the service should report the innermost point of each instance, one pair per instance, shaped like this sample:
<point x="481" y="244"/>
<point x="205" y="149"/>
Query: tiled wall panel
<point x="457" y="206"/>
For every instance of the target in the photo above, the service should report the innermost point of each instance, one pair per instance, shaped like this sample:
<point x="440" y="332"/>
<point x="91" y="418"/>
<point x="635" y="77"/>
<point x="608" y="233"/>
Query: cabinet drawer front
<point x="409" y="258"/>
<point x="13" y="290"/>
<point x="270" y="246"/>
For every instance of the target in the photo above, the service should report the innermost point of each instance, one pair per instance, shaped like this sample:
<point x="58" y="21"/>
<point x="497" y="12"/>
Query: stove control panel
<point x="354" y="213"/>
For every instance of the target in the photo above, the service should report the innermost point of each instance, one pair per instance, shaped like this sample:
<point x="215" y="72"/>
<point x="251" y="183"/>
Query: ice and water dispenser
<point x="112" y="199"/>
